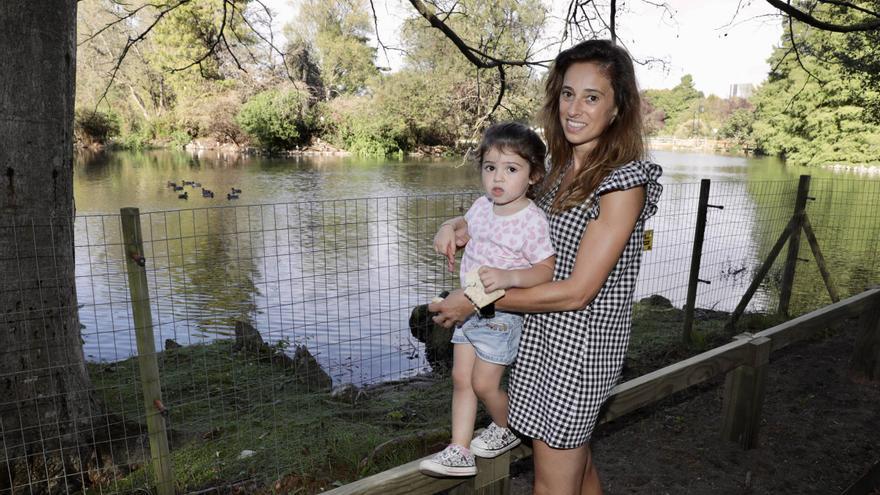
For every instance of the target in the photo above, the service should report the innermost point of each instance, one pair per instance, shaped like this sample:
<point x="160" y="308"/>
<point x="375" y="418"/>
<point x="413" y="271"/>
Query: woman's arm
<point x="599" y="250"/>
<point x="451" y="236"/>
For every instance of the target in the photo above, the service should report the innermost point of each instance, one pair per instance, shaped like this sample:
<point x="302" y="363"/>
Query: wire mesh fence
<point x="257" y="312"/>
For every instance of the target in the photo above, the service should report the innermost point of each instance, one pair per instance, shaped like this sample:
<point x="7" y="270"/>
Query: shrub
<point x="355" y="124"/>
<point x="278" y="118"/>
<point x="214" y="116"/>
<point x="137" y="139"/>
<point x="738" y="126"/>
<point x="91" y="127"/>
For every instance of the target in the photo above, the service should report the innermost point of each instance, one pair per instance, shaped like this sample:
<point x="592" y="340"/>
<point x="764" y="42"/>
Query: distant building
<point x="742" y="90"/>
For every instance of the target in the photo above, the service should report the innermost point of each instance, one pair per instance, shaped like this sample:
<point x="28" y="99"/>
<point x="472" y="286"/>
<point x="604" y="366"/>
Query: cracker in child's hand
<point x="473" y="288"/>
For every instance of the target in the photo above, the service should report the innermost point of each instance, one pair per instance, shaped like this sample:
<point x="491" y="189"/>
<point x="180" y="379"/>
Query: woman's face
<point x="586" y="105"/>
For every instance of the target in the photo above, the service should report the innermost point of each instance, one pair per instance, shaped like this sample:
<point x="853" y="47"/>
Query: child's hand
<point x="444" y="243"/>
<point x="448" y="240"/>
<point x="494" y="278"/>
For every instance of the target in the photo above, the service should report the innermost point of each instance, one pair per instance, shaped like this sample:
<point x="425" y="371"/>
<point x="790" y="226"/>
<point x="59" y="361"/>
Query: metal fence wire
<point x="249" y="303"/>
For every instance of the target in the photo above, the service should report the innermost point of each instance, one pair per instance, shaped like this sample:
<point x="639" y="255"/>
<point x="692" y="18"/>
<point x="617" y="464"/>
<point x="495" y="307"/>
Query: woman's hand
<point x="456" y="308"/>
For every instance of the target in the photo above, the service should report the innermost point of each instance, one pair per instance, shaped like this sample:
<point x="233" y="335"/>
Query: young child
<point x="508" y="240"/>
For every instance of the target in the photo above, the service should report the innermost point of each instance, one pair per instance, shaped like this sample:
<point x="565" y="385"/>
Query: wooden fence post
<point x="864" y="365"/>
<point x="149" y="367"/>
<point x="744" y="396"/>
<point x="762" y="272"/>
<point x="794" y="242"/>
<point x="493" y="478"/>
<point x="696" y="257"/>
<point x="820" y="260"/>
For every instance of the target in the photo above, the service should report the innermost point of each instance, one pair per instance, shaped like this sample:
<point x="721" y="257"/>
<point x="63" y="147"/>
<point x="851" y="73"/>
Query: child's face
<point x="505" y="177"/>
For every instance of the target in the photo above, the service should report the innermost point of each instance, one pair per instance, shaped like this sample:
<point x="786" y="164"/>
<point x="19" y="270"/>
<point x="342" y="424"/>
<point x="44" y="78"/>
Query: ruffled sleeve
<point x="632" y="174"/>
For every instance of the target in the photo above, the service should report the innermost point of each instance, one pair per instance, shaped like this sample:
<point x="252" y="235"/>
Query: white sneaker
<point x="494" y="441"/>
<point x="454" y="460"/>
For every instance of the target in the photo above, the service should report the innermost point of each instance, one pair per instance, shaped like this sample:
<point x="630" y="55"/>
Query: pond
<point x="333" y="252"/>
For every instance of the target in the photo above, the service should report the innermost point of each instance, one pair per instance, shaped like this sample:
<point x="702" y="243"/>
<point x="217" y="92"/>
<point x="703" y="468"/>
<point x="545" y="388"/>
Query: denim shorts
<point x="495" y="340"/>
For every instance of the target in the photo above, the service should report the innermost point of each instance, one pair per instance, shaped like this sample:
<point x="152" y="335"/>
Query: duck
<point x="207" y="193"/>
<point x="231" y="196"/>
<point x="196" y="184"/>
<point x="187" y="183"/>
<point x="236" y="191"/>
<point x="178" y="188"/>
<point x="185" y="195"/>
<point x="171" y="184"/>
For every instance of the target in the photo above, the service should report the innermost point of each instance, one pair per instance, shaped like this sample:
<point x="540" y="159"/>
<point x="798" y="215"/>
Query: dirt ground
<point x="820" y="433"/>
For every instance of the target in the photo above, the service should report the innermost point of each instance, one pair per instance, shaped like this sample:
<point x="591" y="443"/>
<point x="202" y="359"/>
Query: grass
<point x="236" y="420"/>
<point x="222" y="403"/>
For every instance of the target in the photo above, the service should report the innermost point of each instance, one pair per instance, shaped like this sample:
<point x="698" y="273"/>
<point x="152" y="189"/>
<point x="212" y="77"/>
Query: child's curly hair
<point x="520" y="139"/>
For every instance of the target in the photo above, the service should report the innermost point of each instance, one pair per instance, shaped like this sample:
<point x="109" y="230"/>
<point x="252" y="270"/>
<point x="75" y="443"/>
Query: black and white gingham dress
<point x="568" y="362"/>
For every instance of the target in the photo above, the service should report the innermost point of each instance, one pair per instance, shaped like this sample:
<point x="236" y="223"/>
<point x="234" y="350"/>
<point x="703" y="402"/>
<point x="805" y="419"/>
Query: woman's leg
<point x="564" y="471"/>
<point x="486" y="382"/>
<point x="464" y="402"/>
<point x="591" y="484"/>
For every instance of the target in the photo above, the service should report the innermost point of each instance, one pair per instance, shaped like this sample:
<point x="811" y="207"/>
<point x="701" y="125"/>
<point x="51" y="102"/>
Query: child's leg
<point x="486" y="382"/>
<point x="464" y="401"/>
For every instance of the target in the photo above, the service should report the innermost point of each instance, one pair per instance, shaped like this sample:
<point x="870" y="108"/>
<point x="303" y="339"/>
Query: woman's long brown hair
<point x="622" y="142"/>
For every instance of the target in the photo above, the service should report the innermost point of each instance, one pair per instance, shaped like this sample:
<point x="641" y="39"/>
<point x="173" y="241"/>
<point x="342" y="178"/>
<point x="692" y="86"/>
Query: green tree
<point x="186" y="44"/>
<point x="446" y="98"/>
<point x="738" y="126"/>
<point x="680" y="106"/>
<point x="337" y="31"/>
<point x="139" y="91"/>
<point x="167" y="81"/>
<point x="810" y="111"/>
<point x="508" y="29"/>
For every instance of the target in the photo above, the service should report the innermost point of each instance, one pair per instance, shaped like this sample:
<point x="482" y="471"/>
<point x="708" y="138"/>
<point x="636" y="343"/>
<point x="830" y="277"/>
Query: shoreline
<point x="322" y="149"/>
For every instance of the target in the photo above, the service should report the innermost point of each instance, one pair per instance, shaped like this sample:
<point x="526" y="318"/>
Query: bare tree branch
<point x="128" y="15"/>
<point x="809" y="19"/>
<point x="376" y="28"/>
<point x="850" y="5"/>
<point x="230" y="8"/>
<point x="269" y="42"/>
<point x="613" y="16"/>
<point x="472" y="54"/>
<point x="784" y="55"/>
<point x="212" y="49"/>
<point x="797" y="52"/>
<point x="133" y="41"/>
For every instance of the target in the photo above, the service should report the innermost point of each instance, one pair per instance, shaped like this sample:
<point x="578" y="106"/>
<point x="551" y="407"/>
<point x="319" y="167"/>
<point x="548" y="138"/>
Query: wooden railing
<point x="744" y="361"/>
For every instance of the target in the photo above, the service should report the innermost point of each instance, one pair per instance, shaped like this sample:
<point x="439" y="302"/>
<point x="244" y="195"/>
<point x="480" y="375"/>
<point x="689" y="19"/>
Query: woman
<point x="598" y="194"/>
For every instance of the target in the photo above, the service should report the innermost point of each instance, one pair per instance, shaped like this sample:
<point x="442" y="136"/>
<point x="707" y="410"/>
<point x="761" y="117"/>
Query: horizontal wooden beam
<point x="406" y="479"/>
<point x="659" y="384"/>
<point x="400" y="480"/>
<point x="803" y="326"/>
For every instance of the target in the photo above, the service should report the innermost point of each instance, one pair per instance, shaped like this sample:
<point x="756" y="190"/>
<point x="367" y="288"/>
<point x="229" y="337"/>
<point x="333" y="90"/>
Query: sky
<point x="709" y="39"/>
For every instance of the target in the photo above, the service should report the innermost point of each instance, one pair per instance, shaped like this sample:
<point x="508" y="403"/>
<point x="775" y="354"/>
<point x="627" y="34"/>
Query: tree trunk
<point x="48" y="414"/>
